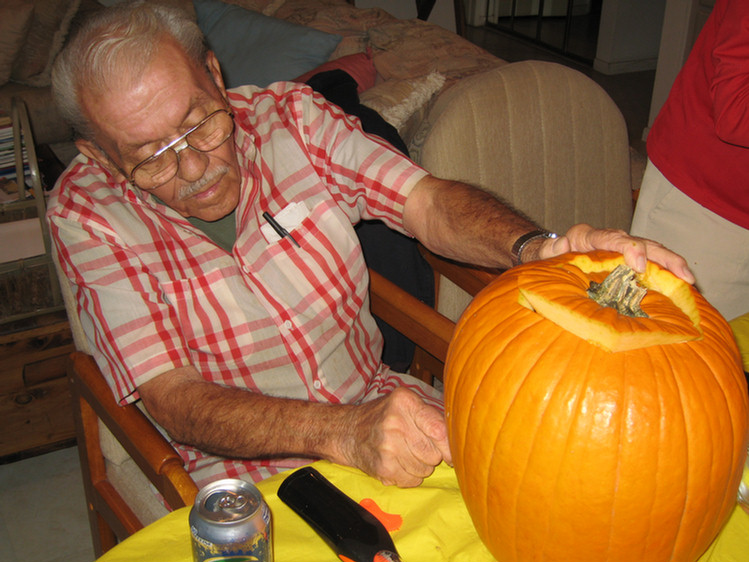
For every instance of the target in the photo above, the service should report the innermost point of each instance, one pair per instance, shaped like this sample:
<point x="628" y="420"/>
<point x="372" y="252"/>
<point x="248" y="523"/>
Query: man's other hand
<point x="398" y="438"/>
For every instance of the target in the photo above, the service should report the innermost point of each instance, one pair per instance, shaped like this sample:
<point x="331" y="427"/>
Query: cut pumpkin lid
<point x="568" y="305"/>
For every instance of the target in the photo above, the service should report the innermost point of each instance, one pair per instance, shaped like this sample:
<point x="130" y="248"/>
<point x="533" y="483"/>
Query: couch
<point x="409" y="71"/>
<point x="33" y="31"/>
<point x="403" y="67"/>
<point x="541" y="135"/>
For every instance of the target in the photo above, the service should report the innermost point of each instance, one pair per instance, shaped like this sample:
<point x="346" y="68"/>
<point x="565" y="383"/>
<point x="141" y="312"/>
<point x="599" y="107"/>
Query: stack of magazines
<point x="8" y="177"/>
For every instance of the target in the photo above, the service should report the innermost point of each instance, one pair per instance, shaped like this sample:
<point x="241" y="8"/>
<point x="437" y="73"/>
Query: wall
<point x="475" y="12"/>
<point x="629" y="35"/>
<point x="443" y="13"/>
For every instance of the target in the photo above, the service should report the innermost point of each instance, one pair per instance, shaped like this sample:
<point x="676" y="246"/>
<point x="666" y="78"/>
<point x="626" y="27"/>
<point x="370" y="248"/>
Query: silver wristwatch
<point x="522" y="242"/>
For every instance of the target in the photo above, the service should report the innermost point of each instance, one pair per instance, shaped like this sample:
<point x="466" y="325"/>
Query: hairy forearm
<point x="466" y="224"/>
<point x="238" y="423"/>
<point x="462" y="222"/>
<point x="397" y="438"/>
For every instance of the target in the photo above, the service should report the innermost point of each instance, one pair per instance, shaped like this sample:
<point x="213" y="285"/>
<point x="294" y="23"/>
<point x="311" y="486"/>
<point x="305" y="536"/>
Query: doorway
<point x="569" y="27"/>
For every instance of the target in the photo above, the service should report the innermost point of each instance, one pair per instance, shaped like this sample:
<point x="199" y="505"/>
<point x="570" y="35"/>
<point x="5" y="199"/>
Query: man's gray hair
<point x="113" y="45"/>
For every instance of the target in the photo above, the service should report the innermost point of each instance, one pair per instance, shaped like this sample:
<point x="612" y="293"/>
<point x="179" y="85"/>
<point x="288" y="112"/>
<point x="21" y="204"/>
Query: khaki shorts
<point x="717" y="250"/>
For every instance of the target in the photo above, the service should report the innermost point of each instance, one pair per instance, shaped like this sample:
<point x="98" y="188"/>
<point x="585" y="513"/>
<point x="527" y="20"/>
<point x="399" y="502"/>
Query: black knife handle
<point x="350" y="530"/>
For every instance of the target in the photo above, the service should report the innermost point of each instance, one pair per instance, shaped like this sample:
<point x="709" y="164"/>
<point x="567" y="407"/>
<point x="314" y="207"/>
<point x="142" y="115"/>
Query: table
<point x="436" y="525"/>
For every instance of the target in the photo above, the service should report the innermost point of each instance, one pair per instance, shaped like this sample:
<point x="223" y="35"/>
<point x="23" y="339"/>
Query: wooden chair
<point x="111" y="515"/>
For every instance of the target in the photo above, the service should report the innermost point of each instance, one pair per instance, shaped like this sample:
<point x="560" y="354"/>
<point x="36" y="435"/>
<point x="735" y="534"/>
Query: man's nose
<point x="192" y="163"/>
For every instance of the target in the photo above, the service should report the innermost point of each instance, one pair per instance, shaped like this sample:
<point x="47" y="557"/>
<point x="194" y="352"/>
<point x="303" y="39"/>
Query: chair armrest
<point x="468" y="277"/>
<point x="154" y="455"/>
<point x="419" y="322"/>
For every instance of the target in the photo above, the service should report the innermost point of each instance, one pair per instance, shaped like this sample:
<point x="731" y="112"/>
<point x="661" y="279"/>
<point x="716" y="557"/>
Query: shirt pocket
<point x="322" y="274"/>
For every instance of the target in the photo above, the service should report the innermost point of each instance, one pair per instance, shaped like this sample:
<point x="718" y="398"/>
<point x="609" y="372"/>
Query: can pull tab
<point x="232" y="501"/>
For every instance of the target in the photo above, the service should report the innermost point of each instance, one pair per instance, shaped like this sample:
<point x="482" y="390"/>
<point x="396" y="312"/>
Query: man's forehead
<point x="146" y="105"/>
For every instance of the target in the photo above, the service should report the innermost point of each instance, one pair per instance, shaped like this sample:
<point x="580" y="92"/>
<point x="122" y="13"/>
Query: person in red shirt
<point x="695" y="192"/>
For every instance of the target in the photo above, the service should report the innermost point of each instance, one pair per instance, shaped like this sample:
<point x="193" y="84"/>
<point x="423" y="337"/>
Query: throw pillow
<point x="257" y="49"/>
<point x="15" y="20"/>
<point x="398" y="100"/>
<point x="49" y="27"/>
<point x="359" y="66"/>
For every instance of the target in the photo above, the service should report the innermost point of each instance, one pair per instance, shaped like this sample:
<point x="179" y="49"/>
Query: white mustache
<point x="192" y="188"/>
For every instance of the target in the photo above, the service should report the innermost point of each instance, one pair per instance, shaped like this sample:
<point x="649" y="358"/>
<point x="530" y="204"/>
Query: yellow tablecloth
<point x="436" y="525"/>
<point x="740" y="328"/>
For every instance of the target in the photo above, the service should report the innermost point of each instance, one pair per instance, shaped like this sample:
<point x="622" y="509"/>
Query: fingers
<point x="636" y="251"/>
<point x="404" y="439"/>
<point x="431" y="423"/>
<point x="414" y="440"/>
<point x="642" y="250"/>
<point x="554" y="247"/>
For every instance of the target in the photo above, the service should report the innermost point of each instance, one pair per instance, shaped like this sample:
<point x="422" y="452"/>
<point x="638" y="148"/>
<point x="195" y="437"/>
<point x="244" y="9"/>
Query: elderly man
<point x="209" y="238"/>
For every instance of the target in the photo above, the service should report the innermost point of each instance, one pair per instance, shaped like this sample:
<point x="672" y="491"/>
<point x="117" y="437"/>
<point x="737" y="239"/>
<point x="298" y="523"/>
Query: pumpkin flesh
<point x="565" y="450"/>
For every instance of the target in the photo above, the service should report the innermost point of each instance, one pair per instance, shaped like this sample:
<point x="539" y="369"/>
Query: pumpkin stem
<point x="620" y="291"/>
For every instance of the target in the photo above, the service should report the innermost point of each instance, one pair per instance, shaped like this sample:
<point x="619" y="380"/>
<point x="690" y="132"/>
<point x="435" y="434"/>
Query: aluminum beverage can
<point x="230" y="521"/>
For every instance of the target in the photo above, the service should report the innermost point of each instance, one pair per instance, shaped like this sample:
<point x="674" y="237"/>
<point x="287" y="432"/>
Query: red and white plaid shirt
<point x="155" y="293"/>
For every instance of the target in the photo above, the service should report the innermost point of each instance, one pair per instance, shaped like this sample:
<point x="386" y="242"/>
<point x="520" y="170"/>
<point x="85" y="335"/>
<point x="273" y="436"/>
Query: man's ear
<point x="214" y="68"/>
<point x="92" y="150"/>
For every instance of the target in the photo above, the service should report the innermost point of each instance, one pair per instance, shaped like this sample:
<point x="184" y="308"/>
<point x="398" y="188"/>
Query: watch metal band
<point x="522" y="242"/>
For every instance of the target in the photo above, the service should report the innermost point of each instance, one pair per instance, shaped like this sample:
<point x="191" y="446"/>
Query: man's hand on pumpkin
<point x="636" y="251"/>
<point x="398" y="438"/>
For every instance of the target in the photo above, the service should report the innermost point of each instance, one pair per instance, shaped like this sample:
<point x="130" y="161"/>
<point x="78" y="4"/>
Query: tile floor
<point x="43" y="511"/>
<point x="42" y="507"/>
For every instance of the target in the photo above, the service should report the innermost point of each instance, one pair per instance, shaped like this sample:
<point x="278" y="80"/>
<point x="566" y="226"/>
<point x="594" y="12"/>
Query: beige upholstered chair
<point x="542" y="136"/>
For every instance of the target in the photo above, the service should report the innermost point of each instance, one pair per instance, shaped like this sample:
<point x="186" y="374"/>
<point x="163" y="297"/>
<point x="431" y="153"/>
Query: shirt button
<point x="317" y="385"/>
<point x="288" y="325"/>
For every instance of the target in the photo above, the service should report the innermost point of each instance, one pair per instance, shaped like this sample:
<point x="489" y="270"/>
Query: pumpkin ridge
<point x="676" y="542"/>
<point x="582" y="432"/>
<point x="648" y="536"/>
<point x="699" y="519"/>
<point x="465" y="385"/>
<point x="472" y="422"/>
<point x="558" y="492"/>
<point x="674" y="390"/>
<point x="718" y="449"/>
<point x="461" y="386"/>
<point x="485" y="529"/>
<point x="541" y="413"/>
<point x="621" y="440"/>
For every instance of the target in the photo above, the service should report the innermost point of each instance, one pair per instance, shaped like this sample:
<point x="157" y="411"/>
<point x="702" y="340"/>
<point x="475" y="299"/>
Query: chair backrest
<point x="544" y="137"/>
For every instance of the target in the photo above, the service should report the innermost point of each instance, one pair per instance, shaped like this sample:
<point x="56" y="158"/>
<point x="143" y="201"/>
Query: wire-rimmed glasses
<point x="208" y="135"/>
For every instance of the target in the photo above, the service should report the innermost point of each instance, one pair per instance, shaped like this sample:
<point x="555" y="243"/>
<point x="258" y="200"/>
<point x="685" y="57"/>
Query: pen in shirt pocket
<point x="280" y="230"/>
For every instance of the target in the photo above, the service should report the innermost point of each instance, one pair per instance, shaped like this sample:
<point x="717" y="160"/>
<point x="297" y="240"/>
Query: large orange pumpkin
<point x="580" y="434"/>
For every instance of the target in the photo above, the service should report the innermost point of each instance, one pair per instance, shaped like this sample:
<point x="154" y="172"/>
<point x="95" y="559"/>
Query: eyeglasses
<point x="208" y="135"/>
